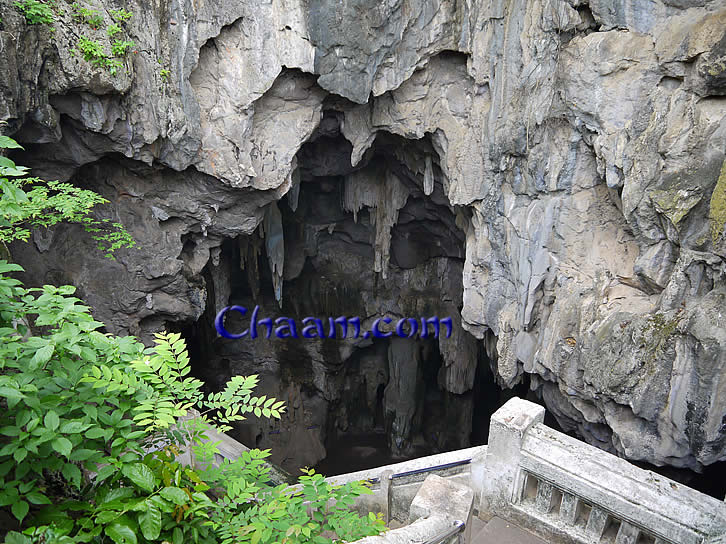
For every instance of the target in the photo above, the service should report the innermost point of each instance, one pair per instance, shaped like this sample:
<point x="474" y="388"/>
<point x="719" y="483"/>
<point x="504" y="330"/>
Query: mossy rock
<point x="717" y="208"/>
<point x="677" y="202"/>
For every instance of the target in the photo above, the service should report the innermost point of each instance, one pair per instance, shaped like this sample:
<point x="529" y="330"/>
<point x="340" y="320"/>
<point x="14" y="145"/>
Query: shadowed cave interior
<point x="353" y="404"/>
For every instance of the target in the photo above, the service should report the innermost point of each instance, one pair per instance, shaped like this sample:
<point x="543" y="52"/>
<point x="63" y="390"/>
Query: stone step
<point x="498" y="531"/>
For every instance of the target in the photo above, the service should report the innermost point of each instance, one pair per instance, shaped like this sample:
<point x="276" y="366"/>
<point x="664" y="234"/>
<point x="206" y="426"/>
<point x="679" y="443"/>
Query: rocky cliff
<point x="552" y="172"/>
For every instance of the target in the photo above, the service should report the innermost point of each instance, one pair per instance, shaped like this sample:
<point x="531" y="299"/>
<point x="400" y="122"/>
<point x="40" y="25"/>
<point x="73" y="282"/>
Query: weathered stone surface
<point x="578" y="145"/>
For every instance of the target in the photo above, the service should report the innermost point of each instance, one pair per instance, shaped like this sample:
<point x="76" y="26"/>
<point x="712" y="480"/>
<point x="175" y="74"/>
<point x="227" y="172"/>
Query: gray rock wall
<point x="580" y="143"/>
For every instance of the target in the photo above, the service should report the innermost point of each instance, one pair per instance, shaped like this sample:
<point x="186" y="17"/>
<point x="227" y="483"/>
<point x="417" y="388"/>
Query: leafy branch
<point x="29" y="202"/>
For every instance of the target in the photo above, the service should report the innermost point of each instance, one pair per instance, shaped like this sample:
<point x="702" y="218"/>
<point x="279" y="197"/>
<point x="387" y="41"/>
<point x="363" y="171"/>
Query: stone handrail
<point x="565" y="488"/>
<point x="394" y="486"/>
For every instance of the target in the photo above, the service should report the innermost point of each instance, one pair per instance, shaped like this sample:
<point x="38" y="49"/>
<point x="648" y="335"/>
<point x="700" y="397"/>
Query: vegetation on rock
<point x="36" y="12"/>
<point x="717" y="208"/>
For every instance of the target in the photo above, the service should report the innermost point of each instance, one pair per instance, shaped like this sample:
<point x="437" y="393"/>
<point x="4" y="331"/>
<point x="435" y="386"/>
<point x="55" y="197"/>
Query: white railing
<point x="558" y="485"/>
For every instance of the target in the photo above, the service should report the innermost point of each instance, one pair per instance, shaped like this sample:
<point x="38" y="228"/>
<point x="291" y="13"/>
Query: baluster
<point x="386" y="479"/>
<point x="596" y="523"/>
<point x="543" y="503"/>
<point x="627" y="534"/>
<point x="568" y="510"/>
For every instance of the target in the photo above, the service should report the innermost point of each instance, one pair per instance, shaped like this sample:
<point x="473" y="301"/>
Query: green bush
<point x="35" y="12"/>
<point x="92" y="51"/>
<point x="121" y="47"/>
<point x="29" y="202"/>
<point x="121" y="15"/>
<point x="113" y="30"/>
<point x="91" y="17"/>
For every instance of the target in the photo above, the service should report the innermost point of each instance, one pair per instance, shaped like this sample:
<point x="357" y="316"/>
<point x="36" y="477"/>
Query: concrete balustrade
<point x="569" y="491"/>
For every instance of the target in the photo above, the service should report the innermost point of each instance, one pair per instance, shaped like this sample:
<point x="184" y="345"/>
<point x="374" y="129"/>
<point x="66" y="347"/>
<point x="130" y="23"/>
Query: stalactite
<point x="391" y="199"/>
<point x="275" y="246"/>
<point x="382" y="190"/>
<point x="361" y="190"/>
<point x="428" y="177"/>
<point x="249" y="251"/>
<point x="294" y="194"/>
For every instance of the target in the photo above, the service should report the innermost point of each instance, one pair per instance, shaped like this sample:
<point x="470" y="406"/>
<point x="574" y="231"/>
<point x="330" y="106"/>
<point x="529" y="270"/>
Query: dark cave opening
<point x="353" y="403"/>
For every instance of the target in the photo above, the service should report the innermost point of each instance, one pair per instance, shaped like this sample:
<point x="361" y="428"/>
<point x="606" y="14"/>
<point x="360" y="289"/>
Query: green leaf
<point x="73" y="427"/>
<point x="121" y="533"/>
<point x="62" y="445"/>
<point x="20" y="454"/>
<point x="141" y="475"/>
<point x="115" y="495"/>
<point x="36" y="497"/>
<point x="42" y="356"/>
<point x="83" y="454"/>
<point x="20" y="510"/>
<point x="177" y="536"/>
<point x="174" y="494"/>
<point x="11" y="394"/>
<point x="106" y="517"/>
<point x="150" y="522"/>
<point x="9" y="143"/>
<point x="51" y="420"/>
<point x="94" y="433"/>
<point x="72" y="473"/>
<point x="105" y="472"/>
<point x="14" y="537"/>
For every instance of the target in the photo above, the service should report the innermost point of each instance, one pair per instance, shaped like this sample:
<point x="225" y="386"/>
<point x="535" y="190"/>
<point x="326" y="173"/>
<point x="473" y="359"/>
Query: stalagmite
<point x="404" y="388"/>
<point x="275" y="246"/>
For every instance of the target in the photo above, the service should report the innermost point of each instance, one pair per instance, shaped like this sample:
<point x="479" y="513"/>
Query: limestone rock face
<point x="572" y="151"/>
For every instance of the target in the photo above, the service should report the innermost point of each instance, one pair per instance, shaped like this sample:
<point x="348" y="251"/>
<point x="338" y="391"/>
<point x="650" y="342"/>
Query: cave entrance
<point x="378" y="239"/>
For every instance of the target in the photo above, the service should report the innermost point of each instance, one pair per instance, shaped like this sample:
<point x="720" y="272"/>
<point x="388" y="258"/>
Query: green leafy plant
<point x="119" y="48"/>
<point x="36" y="12"/>
<point x="165" y="75"/>
<point x="285" y="514"/>
<point x="121" y="15"/>
<point x="92" y="426"/>
<point x="92" y="51"/>
<point x="91" y="17"/>
<point x="113" y="66"/>
<point x="29" y="202"/>
<point x="113" y="30"/>
<point x="84" y="408"/>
